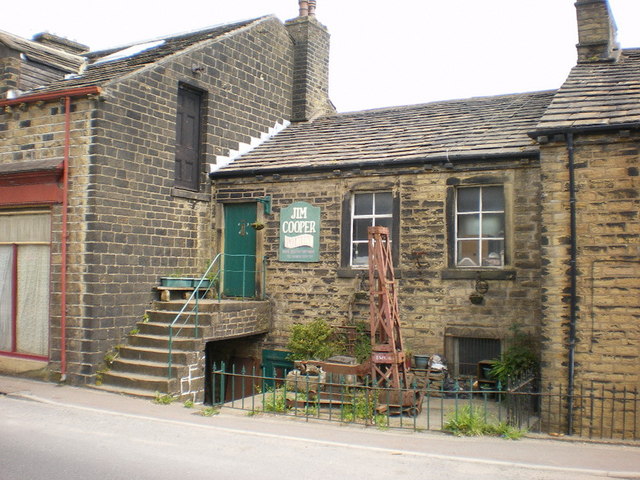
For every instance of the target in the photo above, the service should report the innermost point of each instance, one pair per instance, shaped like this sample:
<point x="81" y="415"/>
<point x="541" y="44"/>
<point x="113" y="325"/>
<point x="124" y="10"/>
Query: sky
<point x="383" y="52"/>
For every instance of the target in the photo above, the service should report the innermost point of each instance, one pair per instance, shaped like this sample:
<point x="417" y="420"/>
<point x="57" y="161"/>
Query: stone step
<point x="159" y="328"/>
<point x="151" y="354"/>
<point x="150" y="383"/>
<point x="132" y="392"/>
<point x="168" y="316"/>
<point x="146" y="367"/>
<point x="204" y="305"/>
<point x="209" y="305"/>
<point x="162" y="341"/>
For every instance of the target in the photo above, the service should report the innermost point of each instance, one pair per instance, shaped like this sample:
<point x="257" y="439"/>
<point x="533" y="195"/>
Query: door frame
<point x="220" y="237"/>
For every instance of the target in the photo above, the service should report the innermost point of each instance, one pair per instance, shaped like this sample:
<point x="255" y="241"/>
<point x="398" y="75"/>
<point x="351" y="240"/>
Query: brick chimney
<point x="311" y="64"/>
<point x="596" y="32"/>
<point x="10" y="66"/>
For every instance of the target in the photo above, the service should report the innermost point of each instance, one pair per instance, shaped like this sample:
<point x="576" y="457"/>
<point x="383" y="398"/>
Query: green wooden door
<point x="240" y="250"/>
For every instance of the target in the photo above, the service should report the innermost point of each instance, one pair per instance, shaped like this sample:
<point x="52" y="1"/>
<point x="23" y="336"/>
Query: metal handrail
<point x="197" y="294"/>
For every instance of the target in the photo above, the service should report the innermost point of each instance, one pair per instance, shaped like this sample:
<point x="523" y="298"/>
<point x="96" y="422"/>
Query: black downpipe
<point x="573" y="306"/>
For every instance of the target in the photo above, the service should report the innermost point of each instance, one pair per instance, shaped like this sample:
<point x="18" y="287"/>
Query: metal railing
<point x="213" y="278"/>
<point x="600" y="413"/>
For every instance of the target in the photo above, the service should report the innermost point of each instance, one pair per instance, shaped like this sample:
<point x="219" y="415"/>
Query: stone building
<point x="425" y="171"/>
<point x="511" y="210"/>
<point x="507" y="210"/>
<point x="589" y="141"/>
<point x="103" y="172"/>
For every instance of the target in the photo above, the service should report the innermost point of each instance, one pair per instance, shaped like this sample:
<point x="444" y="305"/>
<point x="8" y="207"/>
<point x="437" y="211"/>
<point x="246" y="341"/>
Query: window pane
<point x="492" y="199"/>
<point x="493" y="253"/>
<point x="32" y="330"/>
<point x="384" y="203"/>
<point x="385" y="222"/>
<point x="468" y="226"/>
<point x="375" y="208"/>
<point x="360" y="254"/>
<point x="363" y="204"/>
<point x="6" y="291"/>
<point x="493" y="225"/>
<point x="360" y="228"/>
<point x="469" y="199"/>
<point x="468" y="253"/>
<point x="27" y="227"/>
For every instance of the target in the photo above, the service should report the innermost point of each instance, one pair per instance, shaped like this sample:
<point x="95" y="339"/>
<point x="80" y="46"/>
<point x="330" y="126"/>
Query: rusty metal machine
<point x="388" y="367"/>
<point x="388" y="359"/>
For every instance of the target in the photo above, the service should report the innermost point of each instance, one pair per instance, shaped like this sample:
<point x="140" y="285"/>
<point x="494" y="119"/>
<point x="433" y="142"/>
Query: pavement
<point x="571" y="455"/>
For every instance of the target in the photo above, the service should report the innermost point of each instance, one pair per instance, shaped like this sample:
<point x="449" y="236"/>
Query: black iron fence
<point x="598" y="412"/>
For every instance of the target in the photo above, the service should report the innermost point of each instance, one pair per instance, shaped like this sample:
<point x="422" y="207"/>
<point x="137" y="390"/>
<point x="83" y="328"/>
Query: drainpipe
<point x="63" y="247"/>
<point x="573" y="305"/>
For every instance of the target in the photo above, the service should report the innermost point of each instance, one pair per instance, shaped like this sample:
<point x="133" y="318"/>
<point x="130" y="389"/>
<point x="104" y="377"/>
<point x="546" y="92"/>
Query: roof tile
<point x="458" y="128"/>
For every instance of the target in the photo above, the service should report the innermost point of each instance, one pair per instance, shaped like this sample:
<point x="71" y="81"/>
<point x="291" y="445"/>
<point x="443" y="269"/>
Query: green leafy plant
<point x="471" y="421"/>
<point x="99" y="375"/>
<point x="519" y="358"/>
<point x="134" y="331"/>
<point x="275" y="400"/>
<point x="362" y="348"/>
<point x="312" y="341"/>
<point x="466" y="421"/>
<point x="504" y="430"/>
<point x="209" y="411"/>
<point x="163" y="399"/>
<point x="188" y="404"/>
<point x="361" y="408"/>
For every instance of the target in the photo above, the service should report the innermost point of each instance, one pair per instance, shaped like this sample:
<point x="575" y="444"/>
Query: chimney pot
<point x="304" y="8"/>
<point x="312" y="8"/>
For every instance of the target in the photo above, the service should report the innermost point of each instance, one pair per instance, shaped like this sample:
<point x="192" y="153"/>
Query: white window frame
<point x="373" y="217"/>
<point x="480" y="238"/>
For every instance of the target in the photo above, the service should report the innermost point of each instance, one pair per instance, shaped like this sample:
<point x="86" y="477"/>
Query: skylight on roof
<point x="131" y="51"/>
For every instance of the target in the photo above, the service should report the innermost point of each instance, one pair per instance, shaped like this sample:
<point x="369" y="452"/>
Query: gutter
<point x="414" y="161"/>
<point x="48" y="96"/>
<point x="548" y="132"/>
<point x="65" y="95"/>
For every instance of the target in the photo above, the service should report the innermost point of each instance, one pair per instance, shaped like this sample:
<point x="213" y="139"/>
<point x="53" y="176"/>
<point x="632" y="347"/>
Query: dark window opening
<point x="464" y="353"/>
<point x="188" y="116"/>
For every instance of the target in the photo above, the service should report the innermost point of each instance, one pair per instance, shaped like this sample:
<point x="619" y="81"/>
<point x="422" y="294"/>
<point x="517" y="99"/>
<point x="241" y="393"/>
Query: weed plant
<point x="471" y="421"/>
<point x="209" y="411"/>
<point x="163" y="399"/>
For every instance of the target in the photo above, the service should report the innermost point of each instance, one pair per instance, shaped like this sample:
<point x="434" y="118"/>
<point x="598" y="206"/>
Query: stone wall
<point x="141" y="227"/>
<point x="238" y="319"/>
<point x="33" y="133"/>
<point x="607" y="350"/>
<point x="128" y="224"/>
<point x="433" y="297"/>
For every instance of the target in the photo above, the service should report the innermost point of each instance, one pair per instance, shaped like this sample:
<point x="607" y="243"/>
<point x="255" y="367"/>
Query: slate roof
<point x="472" y="128"/>
<point x="99" y="73"/>
<point x="597" y="95"/>
<point x="37" y="52"/>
